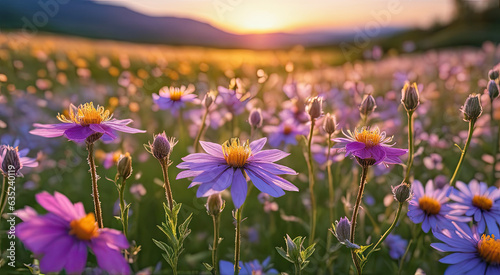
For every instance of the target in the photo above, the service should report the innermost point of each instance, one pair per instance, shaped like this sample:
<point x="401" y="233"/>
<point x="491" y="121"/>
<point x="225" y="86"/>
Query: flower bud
<point x="10" y="160"/>
<point x="329" y="124"/>
<point x="493" y="74"/>
<point x="402" y="192"/>
<point x="209" y="99"/>
<point x="315" y="107"/>
<point x="492" y="89"/>
<point x="472" y="108"/>
<point x="124" y="166"/>
<point x="215" y="204"/>
<point x="410" y="97"/>
<point x="161" y="147"/>
<point x="342" y="231"/>
<point x="291" y="248"/>
<point x="367" y="106"/>
<point x="255" y="118"/>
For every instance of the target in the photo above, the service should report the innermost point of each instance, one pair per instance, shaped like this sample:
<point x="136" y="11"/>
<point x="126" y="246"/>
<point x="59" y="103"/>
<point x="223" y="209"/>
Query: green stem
<point x="124" y="216"/>
<point x="237" y="242"/>
<point x="95" y="191"/>
<point x="297" y="268"/>
<point x="364" y="172"/>
<point x="410" y="147"/>
<point x="400" y="269"/>
<point x="331" y="194"/>
<point x="311" y="183"/>
<point x="495" y="144"/>
<point x="168" y="192"/>
<point x="389" y="230"/>
<point x="3" y="197"/>
<point x="215" y="266"/>
<point x="464" y="151"/>
<point x="196" y="144"/>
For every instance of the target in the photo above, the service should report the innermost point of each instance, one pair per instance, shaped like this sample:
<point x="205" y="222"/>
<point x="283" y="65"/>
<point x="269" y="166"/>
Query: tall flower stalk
<point x="124" y="171"/>
<point x="214" y="206"/>
<point x="365" y="164"/>
<point x="472" y="110"/>
<point x="330" y="125"/>
<point x="208" y="100"/>
<point x="95" y="189"/>
<point x="237" y="240"/>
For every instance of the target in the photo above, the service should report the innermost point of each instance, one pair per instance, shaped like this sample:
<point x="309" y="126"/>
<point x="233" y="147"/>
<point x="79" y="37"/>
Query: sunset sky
<point x="260" y="16"/>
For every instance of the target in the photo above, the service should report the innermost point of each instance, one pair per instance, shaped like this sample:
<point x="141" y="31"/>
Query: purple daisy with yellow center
<point x="370" y="144"/>
<point x="62" y="237"/>
<point x="225" y="166"/>
<point x="430" y="207"/>
<point x="472" y="253"/>
<point x="480" y="202"/>
<point x="174" y="98"/>
<point x="85" y="123"/>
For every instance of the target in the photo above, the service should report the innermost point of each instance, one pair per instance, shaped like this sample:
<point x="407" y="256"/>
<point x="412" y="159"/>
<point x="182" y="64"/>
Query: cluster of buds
<point x="124" y="166"/>
<point x="342" y="231"/>
<point x="410" y="97"/>
<point x="367" y="106"/>
<point x="472" y="108"/>
<point x="215" y="205"/>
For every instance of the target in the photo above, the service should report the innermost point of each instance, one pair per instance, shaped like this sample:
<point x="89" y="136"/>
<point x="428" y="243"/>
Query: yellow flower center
<point x="489" y="249"/>
<point x="482" y="202"/>
<point x="368" y="137"/>
<point x="86" y="114"/>
<point x="84" y="228"/>
<point x="235" y="153"/>
<point x="287" y="129"/>
<point x="175" y="94"/>
<point x="429" y="205"/>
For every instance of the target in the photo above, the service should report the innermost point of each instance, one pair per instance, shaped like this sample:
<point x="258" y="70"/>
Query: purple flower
<point x="226" y="165"/>
<point x="480" y="202"/>
<point x="173" y="98"/>
<point x="370" y="144"/>
<point x="250" y="268"/>
<point x="471" y="253"/>
<point x="397" y="246"/>
<point x="84" y="122"/>
<point x="234" y="102"/>
<point x="12" y="156"/>
<point x="286" y="133"/>
<point x="61" y="238"/>
<point x="430" y="207"/>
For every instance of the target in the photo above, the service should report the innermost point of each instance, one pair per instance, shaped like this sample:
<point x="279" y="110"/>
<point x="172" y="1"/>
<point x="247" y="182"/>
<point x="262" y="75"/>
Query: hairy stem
<point x="95" y="191"/>
<point x="410" y="147"/>
<point x="166" y="184"/>
<point x="237" y="242"/>
<point x="123" y="215"/>
<point x="310" y="169"/>
<point x="364" y="172"/>
<point x="464" y="151"/>
<point x="215" y="266"/>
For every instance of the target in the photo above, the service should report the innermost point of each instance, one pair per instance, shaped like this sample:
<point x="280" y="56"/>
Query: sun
<point x="256" y="21"/>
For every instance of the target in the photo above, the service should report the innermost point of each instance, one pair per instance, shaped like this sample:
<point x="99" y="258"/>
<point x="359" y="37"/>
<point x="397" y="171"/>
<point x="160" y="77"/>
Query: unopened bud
<point x="124" y="166"/>
<point x="215" y="204"/>
<point x="472" y="108"/>
<point x="367" y="106"/>
<point x="402" y="192"/>
<point x="255" y="118"/>
<point x="493" y="74"/>
<point x="410" y="97"/>
<point x="10" y="160"/>
<point x="342" y="231"/>
<point x="329" y="124"/>
<point x="209" y="99"/>
<point x="492" y="89"/>
<point x="315" y="107"/>
<point x="292" y="249"/>
<point x="161" y="146"/>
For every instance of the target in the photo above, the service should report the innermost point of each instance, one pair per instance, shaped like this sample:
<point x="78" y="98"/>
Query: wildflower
<point x="342" y="231"/>
<point x="11" y="156"/>
<point x="173" y="98"/>
<point x="430" y="207"/>
<point x="314" y="107"/>
<point x="369" y="146"/>
<point x="61" y="238"/>
<point x="255" y="118"/>
<point x="329" y="124"/>
<point x="85" y="123"/>
<point x="480" y="202"/>
<point x="472" y="253"/>
<point x="223" y="166"/>
<point x="367" y="106"/>
<point x="397" y="246"/>
<point x="472" y="108"/>
<point x="249" y="268"/>
<point x="233" y="99"/>
<point x="410" y="97"/>
<point x="124" y="166"/>
<point x="286" y="132"/>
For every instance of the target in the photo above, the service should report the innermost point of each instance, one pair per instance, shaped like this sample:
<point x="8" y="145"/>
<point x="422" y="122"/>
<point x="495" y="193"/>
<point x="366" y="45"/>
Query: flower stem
<point x="237" y="242"/>
<point x="297" y="268"/>
<point x="196" y="144"/>
<point x="311" y="183"/>
<point x="464" y="151"/>
<point x="389" y="230"/>
<point x="330" y="190"/>
<point x="495" y="144"/>
<point x="124" y="216"/>
<point x="410" y="147"/>
<point x="364" y="172"/>
<point x="3" y="197"/>
<point x="168" y="192"/>
<point x="215" y="267"/>
<point x="95" y="191"/>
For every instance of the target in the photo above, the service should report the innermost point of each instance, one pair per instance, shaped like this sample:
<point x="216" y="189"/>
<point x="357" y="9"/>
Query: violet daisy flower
<point x="85" y="122"/>
<point x="251" y="268"/>
<point x="12" y="156"/>
<point x="472" y="253"/>
<point x="480" y="202"/>
<point x="226" y="165"/>
<point x="173" y="98"/>
<point x="430" y="207"/>
<point x="233" y="101"/>
<point x="370" y="144"/>
<point x="61" y="238"/>
<point x="397" y="246"/>
<point x="285" y="133"/>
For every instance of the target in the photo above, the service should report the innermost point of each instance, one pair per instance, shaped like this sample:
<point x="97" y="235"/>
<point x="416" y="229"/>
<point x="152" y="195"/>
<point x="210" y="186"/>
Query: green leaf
<point x="283" y="254"/>
<point x="208" y="267"/>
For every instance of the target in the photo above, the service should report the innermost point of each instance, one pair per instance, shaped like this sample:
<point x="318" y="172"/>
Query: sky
<point x="263" y="16"/>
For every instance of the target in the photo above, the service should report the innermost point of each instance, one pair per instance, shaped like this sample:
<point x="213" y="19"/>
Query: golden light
<point x="256" y="21"/>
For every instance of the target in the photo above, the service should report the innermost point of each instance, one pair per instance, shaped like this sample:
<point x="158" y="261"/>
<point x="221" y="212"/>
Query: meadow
<point x="40" y="76"/>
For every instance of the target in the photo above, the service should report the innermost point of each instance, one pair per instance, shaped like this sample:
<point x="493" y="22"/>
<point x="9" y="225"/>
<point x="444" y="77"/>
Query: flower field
<point x="143" y="159"/>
